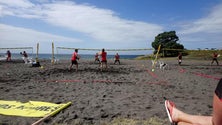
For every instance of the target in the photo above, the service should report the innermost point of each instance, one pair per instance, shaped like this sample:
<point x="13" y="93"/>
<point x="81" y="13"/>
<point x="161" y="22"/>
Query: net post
<point x="156" y="57"/>
<point x="37" y="53"/>
<point x="53" y="55"/>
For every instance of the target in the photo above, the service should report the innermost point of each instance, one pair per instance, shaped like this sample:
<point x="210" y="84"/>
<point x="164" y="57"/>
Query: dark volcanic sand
<point x="129" y="90"/>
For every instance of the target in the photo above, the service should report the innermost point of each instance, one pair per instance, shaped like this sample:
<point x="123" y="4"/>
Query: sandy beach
<point x="129" y="91"/>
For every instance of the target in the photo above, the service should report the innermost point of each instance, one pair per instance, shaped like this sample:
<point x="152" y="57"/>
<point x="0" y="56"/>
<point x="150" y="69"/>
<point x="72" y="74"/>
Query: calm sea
<point x="68" y="56"/>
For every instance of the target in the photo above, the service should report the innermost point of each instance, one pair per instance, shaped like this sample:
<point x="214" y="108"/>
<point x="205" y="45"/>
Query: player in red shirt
<point x="117" y="57"/>
<point x="103" y="55"/>
<point x="74" y="59"/>
<point x="97" y="58"/>
<point x="8" y="56"/>
<point x="215" y="55"/>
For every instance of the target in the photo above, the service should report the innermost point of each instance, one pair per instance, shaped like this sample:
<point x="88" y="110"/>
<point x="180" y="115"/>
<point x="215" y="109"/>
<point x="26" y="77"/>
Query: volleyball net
<point x="149" y="52"/>
<point x="90" y="53"/>
<point x="15" y="52"/>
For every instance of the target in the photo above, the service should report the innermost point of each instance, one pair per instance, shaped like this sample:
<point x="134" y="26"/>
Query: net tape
<point x="106" y="49"/>
<point x="17" y="48"/>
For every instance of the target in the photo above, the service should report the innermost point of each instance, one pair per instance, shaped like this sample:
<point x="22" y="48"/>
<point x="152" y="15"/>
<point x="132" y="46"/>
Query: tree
<point x="167" y="40"/>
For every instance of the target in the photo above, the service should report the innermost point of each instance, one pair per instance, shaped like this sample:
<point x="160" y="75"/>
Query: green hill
<point x="190" y="54"/>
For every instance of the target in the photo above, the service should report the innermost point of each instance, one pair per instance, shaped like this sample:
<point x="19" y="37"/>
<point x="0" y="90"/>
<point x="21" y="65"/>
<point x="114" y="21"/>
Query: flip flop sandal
<point x="169" y="111"/>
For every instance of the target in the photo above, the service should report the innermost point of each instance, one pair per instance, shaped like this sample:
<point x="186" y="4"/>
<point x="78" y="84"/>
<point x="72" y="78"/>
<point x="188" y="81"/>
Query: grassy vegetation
<point x="202" y="54"/>
<point x="191" y="54"/>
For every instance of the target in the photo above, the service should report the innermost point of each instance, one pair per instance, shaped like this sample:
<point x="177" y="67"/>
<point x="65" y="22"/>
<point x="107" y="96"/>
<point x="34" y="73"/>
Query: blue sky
<point x="112" y="24"/>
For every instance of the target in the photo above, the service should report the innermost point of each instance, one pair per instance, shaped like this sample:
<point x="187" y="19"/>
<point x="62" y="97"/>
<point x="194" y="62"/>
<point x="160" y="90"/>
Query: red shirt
<point x="96" y="56"/>
<point x="117" y="57"/>
<point x="103" y="56"/>
<point x="8" y="54"/>
<point x="74" y="56"/>
<point x="215" y="55"/>
<point x="25" y="54"/>
<point x="180" y="56"/>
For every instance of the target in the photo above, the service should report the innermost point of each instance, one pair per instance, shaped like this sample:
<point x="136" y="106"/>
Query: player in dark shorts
<point x="215" y="55"/>
<point x="180" y="58"/>
<point x="117" y="57"/>
<point x="97" y="58"/>
<point x="8" y="56"/>
<point x="74" y="59"/>
<point x="179" y="117"/>
<point x="103" y="55"/>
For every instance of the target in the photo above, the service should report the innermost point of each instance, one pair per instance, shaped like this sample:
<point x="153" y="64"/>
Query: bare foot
<point x="174" y="112"/>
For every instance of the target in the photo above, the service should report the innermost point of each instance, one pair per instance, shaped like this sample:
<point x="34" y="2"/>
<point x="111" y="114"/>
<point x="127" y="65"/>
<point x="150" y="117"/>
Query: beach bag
<point x="36" y="64"/>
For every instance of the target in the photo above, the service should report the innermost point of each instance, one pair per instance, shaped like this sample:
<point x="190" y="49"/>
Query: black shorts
<point x="218" y="90"/>
<point x="104" y="61"/>
<point x="74" y="62"/>
<point x="215" y="59"/>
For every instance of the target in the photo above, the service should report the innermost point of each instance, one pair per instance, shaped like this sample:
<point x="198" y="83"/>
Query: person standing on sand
<point x="103" y="55"/>
<point x="117" y="57"/>
<point x="97" y="58"/>
<point x="8" y="54"/>
<point x="215" y="55"/>
<point x="180" y="58"/>
<point x="179" y="117"/>
<point x="74" y="59"/>
<point x="25" y="56"/>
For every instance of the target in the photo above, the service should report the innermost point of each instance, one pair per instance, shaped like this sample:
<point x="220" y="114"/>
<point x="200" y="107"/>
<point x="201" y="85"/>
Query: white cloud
<point x="104" y="25"/>
<point x="17" y="3"/>
<point x="19" y="37"/>
<point x="204" y="32"/>
<point x="100" y="24"/>
<point x="20" y="8"/>
<point x="212" y="23"/>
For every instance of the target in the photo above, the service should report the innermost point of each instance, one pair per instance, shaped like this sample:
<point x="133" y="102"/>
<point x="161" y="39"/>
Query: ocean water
<point x="67" y="56"/>
<point x="88" y="56"/>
